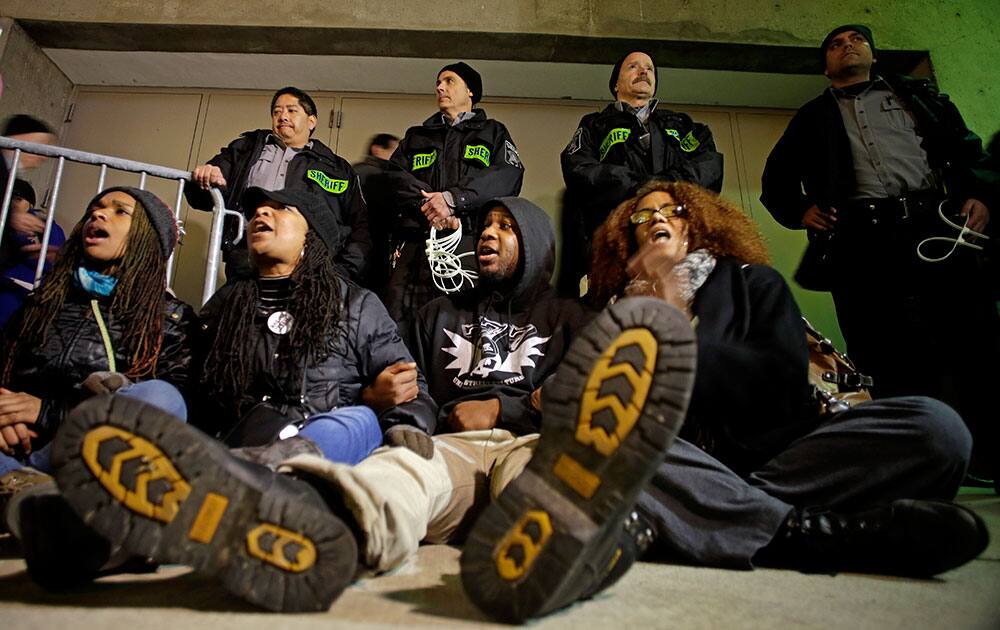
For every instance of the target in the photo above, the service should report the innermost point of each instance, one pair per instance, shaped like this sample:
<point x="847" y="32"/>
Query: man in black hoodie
<point x="286" y="157"/>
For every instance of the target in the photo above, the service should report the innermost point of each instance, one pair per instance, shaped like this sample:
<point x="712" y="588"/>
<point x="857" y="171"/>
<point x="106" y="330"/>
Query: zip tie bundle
<point x="446" y="266"/>
<point x="960" y="240"/>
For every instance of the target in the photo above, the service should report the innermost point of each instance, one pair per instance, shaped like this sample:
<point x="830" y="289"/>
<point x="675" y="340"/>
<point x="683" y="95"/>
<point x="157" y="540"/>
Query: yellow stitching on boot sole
<point x="626" y="412"/>
<point x="155" y="466"/>
<point x="508" y="567"/>
<point x="209" y="515"/>
<point x="305" y="558"/>
<point x="584" y="482"/>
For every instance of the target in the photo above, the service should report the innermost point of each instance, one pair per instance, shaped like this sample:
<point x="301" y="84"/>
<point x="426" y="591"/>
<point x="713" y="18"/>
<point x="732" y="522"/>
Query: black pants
<point x="706" y="514"/>
<point x="920" y="328"/>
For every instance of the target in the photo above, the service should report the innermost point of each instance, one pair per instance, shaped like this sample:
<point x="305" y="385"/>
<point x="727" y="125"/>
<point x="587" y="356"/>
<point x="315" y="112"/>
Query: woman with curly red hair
<point x="741" y="488"/>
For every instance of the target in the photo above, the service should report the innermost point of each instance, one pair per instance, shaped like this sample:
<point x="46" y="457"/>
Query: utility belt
<point x="858" y="214"/>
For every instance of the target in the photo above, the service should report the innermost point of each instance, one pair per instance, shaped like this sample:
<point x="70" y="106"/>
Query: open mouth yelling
<point x="259" y="227"/>
<point x="661" y="234"/>
<point x="486" y="254"/>
<point x="94" y="235"/>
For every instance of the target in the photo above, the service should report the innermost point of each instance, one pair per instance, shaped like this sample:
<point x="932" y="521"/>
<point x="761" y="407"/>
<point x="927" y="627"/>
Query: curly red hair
<point x="714" y="224"/>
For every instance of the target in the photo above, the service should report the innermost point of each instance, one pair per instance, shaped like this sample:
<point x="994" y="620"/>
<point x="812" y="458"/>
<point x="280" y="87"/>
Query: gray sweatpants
<point x="704" y="513"/>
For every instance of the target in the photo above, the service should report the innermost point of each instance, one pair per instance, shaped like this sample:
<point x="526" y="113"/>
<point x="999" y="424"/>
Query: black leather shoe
<point x="161" y="489"/>
<point x="907" y="538"/>
<point x="610" y="414"/>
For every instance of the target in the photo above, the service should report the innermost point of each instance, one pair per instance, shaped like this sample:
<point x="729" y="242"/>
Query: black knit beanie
<point x="861" y="28"/>
<point x="472" y="78"/>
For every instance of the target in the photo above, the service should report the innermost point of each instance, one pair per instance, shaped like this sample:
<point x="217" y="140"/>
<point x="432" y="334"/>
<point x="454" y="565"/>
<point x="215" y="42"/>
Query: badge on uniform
<point x="280" y="322"/>
<point x="511" y="155"/>
<point x="574" y="144"/>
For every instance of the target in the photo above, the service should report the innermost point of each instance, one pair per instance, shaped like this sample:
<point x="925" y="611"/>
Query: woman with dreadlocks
<point x="290" y="350"/>
<point x="102" y="320"/>
<point x="760" y="476"/>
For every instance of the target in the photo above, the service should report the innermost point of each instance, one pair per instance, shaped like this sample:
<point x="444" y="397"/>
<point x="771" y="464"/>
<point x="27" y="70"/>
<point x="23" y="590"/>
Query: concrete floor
<point x="427" y="592"/>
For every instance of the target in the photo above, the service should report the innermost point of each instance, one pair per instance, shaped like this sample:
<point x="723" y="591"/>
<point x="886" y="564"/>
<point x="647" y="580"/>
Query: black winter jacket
<point x="605" y="162"/>
<point x="814" y="153"/>
<point x="363" y="343"/>
<point x="73" y="349"/>
<point x="318" y="170"/>
<point x="475" y="161"/>
<point x="481" y="344"/>
<point x="751" y="395"/>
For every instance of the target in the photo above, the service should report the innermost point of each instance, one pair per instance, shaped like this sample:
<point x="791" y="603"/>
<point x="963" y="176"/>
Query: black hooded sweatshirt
<point x="484" y="343"/>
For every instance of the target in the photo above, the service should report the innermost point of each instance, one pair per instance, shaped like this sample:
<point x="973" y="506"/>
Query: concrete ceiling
<point x="519" y="79"/>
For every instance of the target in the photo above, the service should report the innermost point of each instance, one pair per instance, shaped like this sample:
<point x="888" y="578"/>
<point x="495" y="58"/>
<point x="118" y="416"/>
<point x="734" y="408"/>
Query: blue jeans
<point x="346" y="435"/>
<point x="159" y="394"/>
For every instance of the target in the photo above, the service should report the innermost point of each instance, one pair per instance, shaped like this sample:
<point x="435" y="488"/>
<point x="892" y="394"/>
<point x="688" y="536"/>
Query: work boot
<point x="907" y="537"/>
<point x="13" y="483"/>
<point x="276" y="453"/>
<point x="615" y="406"/>
<point x="162" y="489"/>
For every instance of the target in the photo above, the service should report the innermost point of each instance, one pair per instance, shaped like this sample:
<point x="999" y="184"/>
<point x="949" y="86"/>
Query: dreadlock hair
<point x="315" y="304"/>
<point x="138" y="301"/>
<point x="714" y="224"/>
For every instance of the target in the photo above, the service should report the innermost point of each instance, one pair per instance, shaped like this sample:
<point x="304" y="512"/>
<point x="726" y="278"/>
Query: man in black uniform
<point x="286" y="158"/>
<point x="865" y="166"/>
<point x="378" y="198"/>
<point x="616" y="150"/>
<point x="448" y="167"/>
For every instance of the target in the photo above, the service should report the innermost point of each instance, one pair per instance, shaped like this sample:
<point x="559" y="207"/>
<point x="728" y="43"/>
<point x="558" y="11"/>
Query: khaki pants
<point x="400" y="499"/>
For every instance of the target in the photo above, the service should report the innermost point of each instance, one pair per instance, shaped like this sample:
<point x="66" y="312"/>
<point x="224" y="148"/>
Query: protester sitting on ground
<point x="102" y="319"/>
<point x="397" y="497"/>
<point x="289" y="350"/>
<point x="761" y="478"/>
<point x="17" y="279"/>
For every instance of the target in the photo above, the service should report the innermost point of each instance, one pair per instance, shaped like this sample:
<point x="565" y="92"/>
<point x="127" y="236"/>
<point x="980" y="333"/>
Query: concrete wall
<point x="960" y="35"/>
<point x="32" y="83"/>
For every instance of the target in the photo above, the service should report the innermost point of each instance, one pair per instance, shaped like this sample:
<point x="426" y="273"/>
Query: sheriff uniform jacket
<point x="318" y="170"/>
<point x="605" y="161"/>
<point x="475" y="161"/>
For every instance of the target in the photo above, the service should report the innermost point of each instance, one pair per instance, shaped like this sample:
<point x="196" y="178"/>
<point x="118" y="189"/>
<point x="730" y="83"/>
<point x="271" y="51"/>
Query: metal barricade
<point x="219" y="211"/>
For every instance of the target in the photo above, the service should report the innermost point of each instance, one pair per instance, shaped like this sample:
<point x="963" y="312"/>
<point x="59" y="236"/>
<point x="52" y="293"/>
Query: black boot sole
<point x="610" y="414"/>
<point x="164" y="490"/>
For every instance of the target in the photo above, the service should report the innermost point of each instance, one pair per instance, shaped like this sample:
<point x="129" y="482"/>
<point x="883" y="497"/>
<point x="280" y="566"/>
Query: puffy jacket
<point x="74" y="348"/>
<point x="475" y="161"/>
<point x="362" y="344"/>
<point x="483" y="344"/>
<point x="316" y="169"/>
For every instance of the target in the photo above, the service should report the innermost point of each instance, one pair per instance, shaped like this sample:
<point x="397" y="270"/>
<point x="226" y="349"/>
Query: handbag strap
<point x="105" y="336"/>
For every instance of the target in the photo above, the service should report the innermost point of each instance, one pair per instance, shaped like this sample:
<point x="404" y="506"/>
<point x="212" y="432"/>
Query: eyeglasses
<point x="666" y="211"/>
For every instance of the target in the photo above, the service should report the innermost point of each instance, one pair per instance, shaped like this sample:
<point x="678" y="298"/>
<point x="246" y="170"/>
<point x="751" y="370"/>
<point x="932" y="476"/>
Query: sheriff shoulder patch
<point x="477" y="152"/>
<point x="423" y="160"/>
<point x="327" y="183"/>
